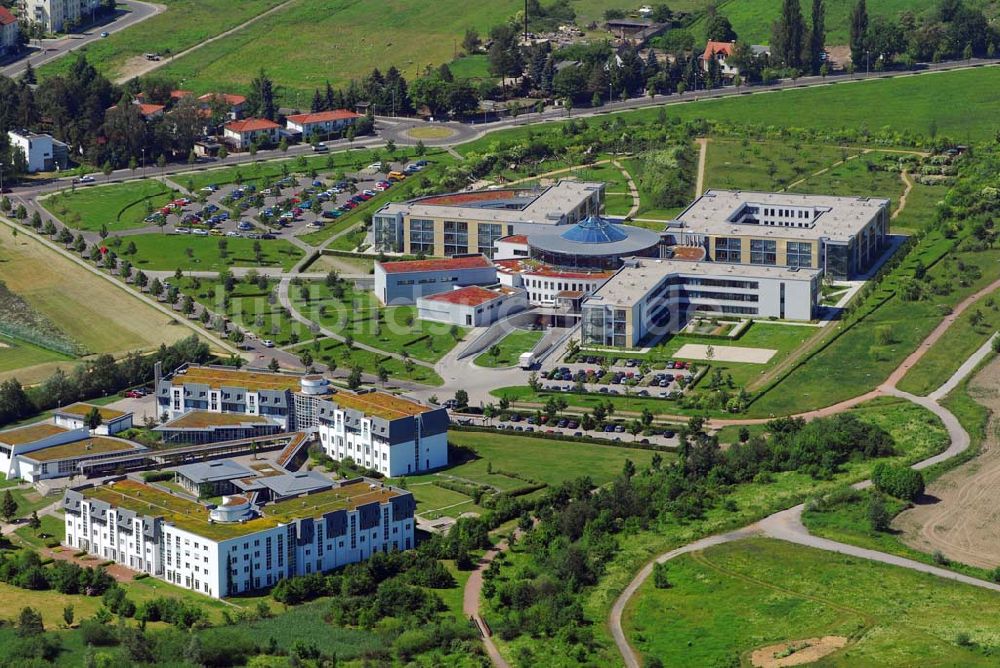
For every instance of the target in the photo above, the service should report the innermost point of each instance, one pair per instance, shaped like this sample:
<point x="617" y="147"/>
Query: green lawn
<point x="733" y="598"/>
<point x="958" y="343"/>
<point x="186" y="23"/>
<point x="28" y="501"/>
<point x="329" y="351"/>
<point x="548" y="461"/>
<point x="510" y="348"/>
<point x="249" y="307"/>
<point x="357" y="314"/>
<point x="52" y="527"/>
<point x="119" y="206"/>
<point x="768" y="165"/>
<point x="17" y="354"/>
<point x="166" y="252"/>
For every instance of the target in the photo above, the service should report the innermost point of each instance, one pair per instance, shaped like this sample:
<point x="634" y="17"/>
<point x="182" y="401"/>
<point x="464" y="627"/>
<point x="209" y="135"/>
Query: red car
<point x="135" y="394"/>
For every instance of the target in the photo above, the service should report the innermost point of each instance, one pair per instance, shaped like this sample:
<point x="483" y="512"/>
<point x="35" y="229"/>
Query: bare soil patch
<point x="698" y="351"/>
<point x="796" y="652"/>
<point x="963" y="520"/>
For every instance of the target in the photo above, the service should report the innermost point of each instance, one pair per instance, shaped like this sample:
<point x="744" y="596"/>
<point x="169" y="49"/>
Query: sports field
<point x="118" y="207"/>
<point x="89" y="309"/>
<point x="731" y="599"/>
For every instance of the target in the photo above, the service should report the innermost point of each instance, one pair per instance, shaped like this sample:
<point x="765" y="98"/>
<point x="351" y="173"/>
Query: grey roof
<point x="622" y="240"/>
<point x="213" y="471"/>
<point x="293" y="484"/>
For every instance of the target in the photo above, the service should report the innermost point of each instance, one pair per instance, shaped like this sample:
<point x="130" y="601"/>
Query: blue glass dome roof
<point x="594" y="230"/>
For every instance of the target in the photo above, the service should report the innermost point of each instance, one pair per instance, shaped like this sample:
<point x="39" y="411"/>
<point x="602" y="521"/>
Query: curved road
<point x="787" y="524"/>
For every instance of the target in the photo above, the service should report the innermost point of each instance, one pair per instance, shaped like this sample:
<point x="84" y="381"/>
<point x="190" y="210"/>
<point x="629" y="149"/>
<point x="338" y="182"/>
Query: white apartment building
<point x="60" y="15"/>
<point x="649" y="298"/>
<point x="392" y="435"/>
<point x="238" y="546"/>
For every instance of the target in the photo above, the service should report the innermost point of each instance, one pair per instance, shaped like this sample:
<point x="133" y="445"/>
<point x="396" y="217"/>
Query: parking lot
<point x="288" y="206"/>
<point x="625" y="376"/>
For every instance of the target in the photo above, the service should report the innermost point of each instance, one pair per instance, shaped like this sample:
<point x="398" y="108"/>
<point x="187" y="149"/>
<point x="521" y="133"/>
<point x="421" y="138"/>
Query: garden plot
<point x="698" y="351"/>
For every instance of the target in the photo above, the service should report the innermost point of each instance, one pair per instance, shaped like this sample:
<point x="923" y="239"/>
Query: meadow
<point x="334" y="353"/>
<point x="733" y="598"/>
<point x="510" y="348"/>
<point x="117" y="207"/>
<point x="248" y="307"/>
<point x="74" y="299"/>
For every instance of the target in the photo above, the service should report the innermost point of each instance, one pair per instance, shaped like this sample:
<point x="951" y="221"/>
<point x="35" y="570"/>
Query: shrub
<point x="899" y="481"/>
<point x="660" y="579"/>
<point x="97" y="634"/>
<point x="878" y="515"/>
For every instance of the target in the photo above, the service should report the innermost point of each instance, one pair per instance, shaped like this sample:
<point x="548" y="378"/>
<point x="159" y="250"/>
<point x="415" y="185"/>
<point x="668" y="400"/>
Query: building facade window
<point x="799" y="254"/>
<point x="763" y="251"/>
<point x="486" y="237"/>
<point x="456" y="238"/>
<point x="422" y="236"/>
<point x="728" y="249"/>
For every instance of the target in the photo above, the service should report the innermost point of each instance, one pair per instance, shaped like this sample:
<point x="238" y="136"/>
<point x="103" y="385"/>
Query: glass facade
<point x="838" y="260"/>
<point x="456" y="238"/>
<point x="486" y="236"/>
<point x="421" y="236"/>
<point x="763" y="251"/>
<point x="728" y="249"/>
<point x="388" y="234"/>
<point x="798" y="254"/>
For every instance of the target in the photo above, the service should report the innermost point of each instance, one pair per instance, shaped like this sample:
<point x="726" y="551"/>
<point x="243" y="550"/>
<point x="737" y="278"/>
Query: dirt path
<point x="472" y="593"/>
<point x="702" y="159"/>
<point x="907" y="187"/>
<point x="138" y="65"/>
<point x="633" y="191"/>
<point x="963" y="521"/>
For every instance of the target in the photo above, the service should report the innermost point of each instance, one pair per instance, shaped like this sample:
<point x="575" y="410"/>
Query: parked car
<point x="267" y="343"/>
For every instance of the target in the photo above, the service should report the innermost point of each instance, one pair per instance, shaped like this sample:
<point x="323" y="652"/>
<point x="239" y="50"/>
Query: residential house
<point x="322" y="123"/>
<point x="8" y="32"/>
<point x="241" y="134"/>
<point x="41" y="152"/>
<point x="60" y="15"/>
<point x="722" y="53"/>
<point x="235" y="104"/>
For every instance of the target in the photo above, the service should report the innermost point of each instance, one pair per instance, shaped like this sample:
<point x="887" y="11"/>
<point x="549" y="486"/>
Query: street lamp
<point x="867" y="63"/>
<point x="143" y="162"/>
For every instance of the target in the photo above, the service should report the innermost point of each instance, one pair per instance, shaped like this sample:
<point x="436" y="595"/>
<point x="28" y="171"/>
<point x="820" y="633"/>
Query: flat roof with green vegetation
<point x="30" y="434"/>
<point x="193" y="517"/>
<point x="82" y="409"/>
<point x="380" y="404"/>
<point x="216" y="377"/>
<point x="87" y="447"/>
<point x="207" y="419"/>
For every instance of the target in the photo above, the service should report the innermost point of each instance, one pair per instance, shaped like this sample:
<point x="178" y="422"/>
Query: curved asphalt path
<point x="787" y="524"/>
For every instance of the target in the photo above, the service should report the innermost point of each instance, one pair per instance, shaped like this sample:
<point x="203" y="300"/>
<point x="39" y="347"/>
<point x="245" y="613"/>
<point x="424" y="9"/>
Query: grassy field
<point x="357" y="314"/>
<point x="733" y="598"/>
<point x="118" y="206"/>
<point x="16" y="354"/>
<point x="249" y="307"/>
<point x="74" y="299"/>
<point x="347" y="39"/>
<point x="329" y="351"/>
<point x="958" y="343"/>
<point x="52" y="527"/>
<point x="745" y="165"/>
<point x="184" y="24"/>
<point x="510" y="348"/>
<point x="166" y="252"/>
<point x="534" y="458"/>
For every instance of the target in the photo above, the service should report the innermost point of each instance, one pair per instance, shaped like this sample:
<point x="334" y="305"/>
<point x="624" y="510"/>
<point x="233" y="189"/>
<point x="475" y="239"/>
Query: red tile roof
<point x="472" y="295"/>
<point x="725" y="48"/>
<point x="251" y="125"/>
<point x="407" y="266"/>
<point x="232" y="100"/>
<point x="515" y="239"/>
<point x="6" y="18"/>
<point x="323" y="116"/>
<point x="178" y="94"/>
<point x="150" y="109"/>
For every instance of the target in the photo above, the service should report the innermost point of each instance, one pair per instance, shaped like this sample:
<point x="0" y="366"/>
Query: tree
<point x="34" y="522"/>
<point x="859" y="32"/>
<point x="68" y="615"/>
<point x="29" y="623"/>
<point x="8" y="506"/>
<point x="817" y="37"/>
<point x="635" y="428"/>
<point x="260" y="102"/>
<point x="495" y="352"/>
<point x="788" y="35"/>
<point x="306" y="359"/>
<point x="897" y="480"/>
<point x="462" y="398"/>
<point x="471" y="42"/>
<point x="273" y="366"/>
<point x="93" y="419"/>
<point x="660" y="580"/>
<point x="718" y="28"/>
<point x="354" y="378"/>
<point x="878" y="515"/>
<point x="382" y="373"/>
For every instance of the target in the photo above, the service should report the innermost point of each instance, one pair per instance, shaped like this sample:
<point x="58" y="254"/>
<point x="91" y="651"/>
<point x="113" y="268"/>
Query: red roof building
<point x="321" y="122"/>
<point x="471" y="306"/>
<point x="242" y="134"/>
<point x="6" y="18"/>
<point x="717" y="49"/>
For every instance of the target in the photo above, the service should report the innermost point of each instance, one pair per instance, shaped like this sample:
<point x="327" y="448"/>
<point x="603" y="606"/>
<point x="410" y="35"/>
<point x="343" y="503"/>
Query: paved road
<point x="129" y="13"/>
<point x="787" y="524"/>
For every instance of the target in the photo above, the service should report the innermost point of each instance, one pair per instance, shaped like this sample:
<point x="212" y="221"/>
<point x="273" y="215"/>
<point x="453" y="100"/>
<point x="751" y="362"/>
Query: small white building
<point x="45" y="450"/>
<point x="41" y="152"/>
<point x="9" y="32"/>
<point x="75" y="415"/>
<point x="237" y="546"/>
<point x="471" y="306"/>
<point x="321" y="123"/>
<point x="241" y="134"/>
<point x="404" y="282"/>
